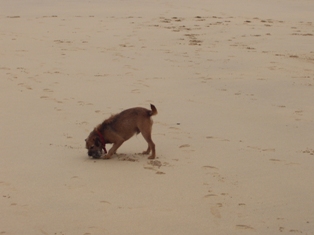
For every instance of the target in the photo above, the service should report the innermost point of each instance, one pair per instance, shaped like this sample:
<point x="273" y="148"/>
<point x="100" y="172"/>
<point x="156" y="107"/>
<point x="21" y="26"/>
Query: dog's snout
<point x="94" y="153"/>
<point x="90" y="153"/>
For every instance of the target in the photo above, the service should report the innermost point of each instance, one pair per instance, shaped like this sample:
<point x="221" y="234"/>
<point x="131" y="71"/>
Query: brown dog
<point x="119" y="128"/>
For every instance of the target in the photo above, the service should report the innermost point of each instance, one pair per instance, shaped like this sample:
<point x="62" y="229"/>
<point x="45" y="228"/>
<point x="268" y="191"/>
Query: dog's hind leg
<point x="151" y="145"/>
<point x="146" y="151"/>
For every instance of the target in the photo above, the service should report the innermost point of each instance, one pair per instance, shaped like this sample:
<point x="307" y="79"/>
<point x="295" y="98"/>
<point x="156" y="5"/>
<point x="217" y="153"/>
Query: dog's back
<point x="132" y="121"/>
<point x="136" y="113"/>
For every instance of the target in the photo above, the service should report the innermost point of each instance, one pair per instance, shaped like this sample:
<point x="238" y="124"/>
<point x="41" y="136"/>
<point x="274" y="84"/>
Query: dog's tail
<point x="153" y="111"/>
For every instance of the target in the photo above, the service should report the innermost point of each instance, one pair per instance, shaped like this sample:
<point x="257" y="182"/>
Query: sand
<point x="233" y="82"/>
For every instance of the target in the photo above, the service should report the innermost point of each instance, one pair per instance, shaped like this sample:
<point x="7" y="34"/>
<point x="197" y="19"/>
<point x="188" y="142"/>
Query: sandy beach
<point x="233" y="83"/>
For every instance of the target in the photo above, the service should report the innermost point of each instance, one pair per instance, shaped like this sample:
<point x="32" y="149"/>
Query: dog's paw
<point x="151" y="157"/>
<point x="107" y="156"/>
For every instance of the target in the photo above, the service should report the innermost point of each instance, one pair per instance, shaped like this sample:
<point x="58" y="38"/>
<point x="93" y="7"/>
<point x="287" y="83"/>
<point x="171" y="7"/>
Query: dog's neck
<point x="102" y="139"/>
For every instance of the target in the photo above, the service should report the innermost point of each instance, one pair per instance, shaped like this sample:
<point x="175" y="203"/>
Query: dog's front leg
<point x="114" y="149"/>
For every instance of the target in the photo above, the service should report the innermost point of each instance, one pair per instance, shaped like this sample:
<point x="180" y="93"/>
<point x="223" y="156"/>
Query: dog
<point x="119" y="128"/>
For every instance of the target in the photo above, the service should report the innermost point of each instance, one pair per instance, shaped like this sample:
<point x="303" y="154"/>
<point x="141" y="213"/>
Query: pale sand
<point x="234" y="87"/>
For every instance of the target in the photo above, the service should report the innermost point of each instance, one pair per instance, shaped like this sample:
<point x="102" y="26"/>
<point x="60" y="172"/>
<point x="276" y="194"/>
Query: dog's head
<point x="93" y="145"/>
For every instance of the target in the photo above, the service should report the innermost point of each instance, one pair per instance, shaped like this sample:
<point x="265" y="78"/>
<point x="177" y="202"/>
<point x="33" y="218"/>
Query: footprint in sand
<point x="5" y="68"/>
<point x="295" y="231"/>
<point x="124" y="157"/>
<point x="62" y="41"/>
<point x="245" y="227"/>
<point x="199" y="18"/>
<point x="47" y="90"/>
<point x="105" y="202"/>
<point x="23" y="70"/>
<point x="309" y="151"/>
<point x="216" y="175"/>
<point x="210" y="167"/>
<point x="25" y="86"/>
<point x="101" y="75"/>
<point x="136" y="91"/>
<point x="81" y="123"/>
<point x="261" y="149"/>
<point x="215" y="212"/>
<point x="184" y="146"/>
<point x="155" y="165"/>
